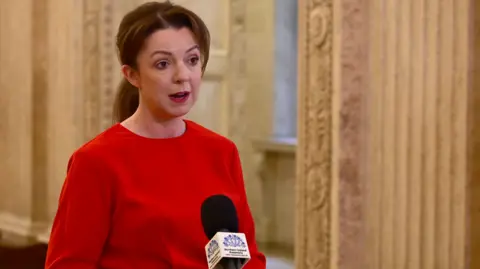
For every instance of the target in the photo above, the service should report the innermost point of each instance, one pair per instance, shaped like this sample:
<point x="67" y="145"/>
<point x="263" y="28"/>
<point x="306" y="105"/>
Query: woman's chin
<point x="179" y="112"/>
<point x="173" y="111"/>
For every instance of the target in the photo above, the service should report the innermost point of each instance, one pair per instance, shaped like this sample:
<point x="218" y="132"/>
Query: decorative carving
<point x="314" y="147"/>
<point x="98" y="62"/>
<point x="319" y="23"/>
<point x="108" y="62"/>
<point x="91" y="68"/>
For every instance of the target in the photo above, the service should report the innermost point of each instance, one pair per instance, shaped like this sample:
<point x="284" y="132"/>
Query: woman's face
<point x="168" y="72"/>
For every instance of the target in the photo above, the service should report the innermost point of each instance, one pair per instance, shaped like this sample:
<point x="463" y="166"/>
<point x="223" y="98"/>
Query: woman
<point x="132" y="195"/>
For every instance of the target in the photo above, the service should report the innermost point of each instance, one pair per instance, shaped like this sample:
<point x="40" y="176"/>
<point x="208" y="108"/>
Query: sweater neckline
<point x="129" y="133"/>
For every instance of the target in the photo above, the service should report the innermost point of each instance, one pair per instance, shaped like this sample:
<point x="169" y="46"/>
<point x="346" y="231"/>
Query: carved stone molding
<point x="98" y="66"/>
<point x="91" y="67"/>
<point x="314" y="151"/>
<point x="109" y="63"/>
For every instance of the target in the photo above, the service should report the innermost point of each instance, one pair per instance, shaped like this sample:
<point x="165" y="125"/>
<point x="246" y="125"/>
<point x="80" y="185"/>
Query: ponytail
<point x="126" y="101"/>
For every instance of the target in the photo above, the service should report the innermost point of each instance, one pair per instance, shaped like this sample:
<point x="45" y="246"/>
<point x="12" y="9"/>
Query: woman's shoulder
<point x="102" y="145"/>
<point x="96" y="160"/>
<point x="209" y="137"/>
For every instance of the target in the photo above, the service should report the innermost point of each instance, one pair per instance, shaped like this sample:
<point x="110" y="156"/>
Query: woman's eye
<point x="162" y="64"/>
<point x="194" y="60"/>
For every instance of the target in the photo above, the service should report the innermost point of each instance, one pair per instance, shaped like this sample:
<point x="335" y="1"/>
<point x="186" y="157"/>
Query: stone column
<point x="39" y="177"/>
<point x="16" y="109"/>
<point x="417" y="133"/>
<point x="81" y="79"/>
<point x="64" y="110"/>
<point x="383" y="134"/>
<point x="81" y="82"/>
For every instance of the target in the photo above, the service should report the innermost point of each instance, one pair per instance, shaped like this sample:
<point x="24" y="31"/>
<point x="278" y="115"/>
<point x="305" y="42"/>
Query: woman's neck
<point x="144" y="124"/>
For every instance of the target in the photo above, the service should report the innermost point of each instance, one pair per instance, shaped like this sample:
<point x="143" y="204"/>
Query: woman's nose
<point x="182" y="73"/>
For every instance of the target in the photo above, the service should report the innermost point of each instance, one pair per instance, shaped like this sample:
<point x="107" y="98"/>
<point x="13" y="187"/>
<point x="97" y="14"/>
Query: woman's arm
<point x="246" y="222"/>
<point x="82" y="221"/>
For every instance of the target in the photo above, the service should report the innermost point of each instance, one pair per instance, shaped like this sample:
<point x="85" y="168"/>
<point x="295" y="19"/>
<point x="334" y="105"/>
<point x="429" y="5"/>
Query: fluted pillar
<point x="64" y="111"/>
<point x="418" y="133"/>
<point x="16" y="108"/>
<point x="384" y="134"/>
<point x="56" y="89"/>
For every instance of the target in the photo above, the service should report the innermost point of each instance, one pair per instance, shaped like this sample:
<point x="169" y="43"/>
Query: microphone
<point x="227" y="248"/>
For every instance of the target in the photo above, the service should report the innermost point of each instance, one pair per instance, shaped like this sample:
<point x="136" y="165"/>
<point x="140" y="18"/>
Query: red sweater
<point x="134" y="202"/>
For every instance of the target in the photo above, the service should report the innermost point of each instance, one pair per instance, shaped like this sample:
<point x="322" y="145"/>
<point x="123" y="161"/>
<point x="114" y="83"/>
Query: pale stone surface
<point x="277" y="176"/>
<point x="65" y="103"/>
<point x="279" y="263"/>
<point x="352" y="119"/>
<point x="17" y="107"/>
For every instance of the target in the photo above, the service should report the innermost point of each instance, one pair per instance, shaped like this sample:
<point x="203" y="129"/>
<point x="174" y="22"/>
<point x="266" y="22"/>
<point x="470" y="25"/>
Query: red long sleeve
<point x="83" y="216"/>
<point x="133" y="202"/>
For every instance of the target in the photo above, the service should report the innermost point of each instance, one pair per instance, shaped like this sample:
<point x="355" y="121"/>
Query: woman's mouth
<point x="179" y="97"/>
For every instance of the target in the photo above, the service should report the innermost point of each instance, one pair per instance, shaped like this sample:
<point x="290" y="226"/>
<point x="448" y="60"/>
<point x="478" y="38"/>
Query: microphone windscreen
<point x="218" y="214"/>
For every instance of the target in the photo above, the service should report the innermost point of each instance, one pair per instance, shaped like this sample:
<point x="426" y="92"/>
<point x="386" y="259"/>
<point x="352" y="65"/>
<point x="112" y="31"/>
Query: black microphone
<point x="227" y="247"/>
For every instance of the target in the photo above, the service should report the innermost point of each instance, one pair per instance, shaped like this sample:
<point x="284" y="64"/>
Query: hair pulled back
<point x="135" y="28"/>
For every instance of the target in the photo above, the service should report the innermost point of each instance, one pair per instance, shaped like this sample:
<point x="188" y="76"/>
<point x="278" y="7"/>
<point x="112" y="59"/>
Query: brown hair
<point x="138" y="25"/>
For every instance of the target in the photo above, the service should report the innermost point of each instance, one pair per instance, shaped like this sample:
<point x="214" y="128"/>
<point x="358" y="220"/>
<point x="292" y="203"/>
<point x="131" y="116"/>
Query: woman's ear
<point x="131" y="75"/>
